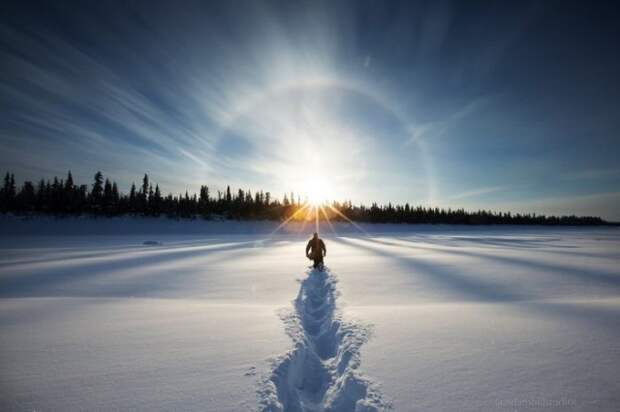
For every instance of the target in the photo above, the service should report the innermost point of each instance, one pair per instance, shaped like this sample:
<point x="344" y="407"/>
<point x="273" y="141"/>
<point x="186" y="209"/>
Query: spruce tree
<point x="69" y="183"/>
<point x="4" y="195"/>
<point x="115" y="194"/>
<point x="97" y="191"/>
<point x="157" y="201"/>
<point x="132" y="198"/>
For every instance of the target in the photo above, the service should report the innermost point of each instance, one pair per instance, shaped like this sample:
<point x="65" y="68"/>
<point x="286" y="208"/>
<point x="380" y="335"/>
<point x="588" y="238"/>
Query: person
<point x="315" y="250"/>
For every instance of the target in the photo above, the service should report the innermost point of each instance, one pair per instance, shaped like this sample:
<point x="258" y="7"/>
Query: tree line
<point x="103" y="198"/>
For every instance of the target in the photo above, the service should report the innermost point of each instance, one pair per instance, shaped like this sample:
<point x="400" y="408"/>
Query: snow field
<point x="416" y="318"/>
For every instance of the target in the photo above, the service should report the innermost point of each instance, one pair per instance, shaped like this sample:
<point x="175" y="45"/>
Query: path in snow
<point x="320" y="373"/>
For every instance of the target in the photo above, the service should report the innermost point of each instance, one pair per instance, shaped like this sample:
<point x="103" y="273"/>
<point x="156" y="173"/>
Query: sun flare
<point x="317" y="190"/>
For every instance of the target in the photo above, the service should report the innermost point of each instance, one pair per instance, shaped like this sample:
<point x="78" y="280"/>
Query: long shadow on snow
<point x="58" y="281"/>
<point x="556" y="249"/>
<point x="471" y="289"/>
<point x="149" y="254"/>
<point x="600" y="276"/>
<point x="70" y="254"/>
<point x="605" y="315"/>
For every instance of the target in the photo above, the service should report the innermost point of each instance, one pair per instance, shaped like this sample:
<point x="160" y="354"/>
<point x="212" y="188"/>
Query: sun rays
<point x="315" y="214"/>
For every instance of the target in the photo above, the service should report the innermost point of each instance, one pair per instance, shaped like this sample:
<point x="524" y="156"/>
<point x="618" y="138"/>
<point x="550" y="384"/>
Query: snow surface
<point x="154" y="314"/>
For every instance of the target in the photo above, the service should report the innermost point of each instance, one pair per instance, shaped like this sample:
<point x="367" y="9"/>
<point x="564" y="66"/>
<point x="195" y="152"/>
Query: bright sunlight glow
<point x="317" y="190"/>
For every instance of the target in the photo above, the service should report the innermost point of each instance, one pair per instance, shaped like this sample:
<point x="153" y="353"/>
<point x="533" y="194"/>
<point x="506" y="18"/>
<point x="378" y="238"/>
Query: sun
<point x="317" y="190"/>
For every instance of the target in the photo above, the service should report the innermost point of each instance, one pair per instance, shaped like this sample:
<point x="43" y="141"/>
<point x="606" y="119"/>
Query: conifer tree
<point x="133" y="200"/>
<point x="145" y="184"/>
<point x="4" y="195"/>
<point x="115" y="194"/>
<point x="69" y="182"/>
<point x="155" y="201"/>
<point x="107" y="197"/>
<point x="97" y="191"/>
<point x="12" y="188"/>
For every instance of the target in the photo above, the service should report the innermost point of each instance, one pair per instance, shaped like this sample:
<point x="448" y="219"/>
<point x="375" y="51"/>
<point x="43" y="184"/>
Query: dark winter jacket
<point x="316" y="247"/>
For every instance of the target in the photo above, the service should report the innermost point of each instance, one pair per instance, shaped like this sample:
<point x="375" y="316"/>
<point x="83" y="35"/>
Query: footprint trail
<point x="320" y="372"/>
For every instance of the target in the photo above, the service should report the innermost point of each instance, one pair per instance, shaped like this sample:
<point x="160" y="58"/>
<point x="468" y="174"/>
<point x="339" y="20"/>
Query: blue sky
<point x="494" y="105"/>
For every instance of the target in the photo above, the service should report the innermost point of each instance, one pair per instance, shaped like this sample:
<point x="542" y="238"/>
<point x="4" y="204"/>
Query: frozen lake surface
<point x="146" y="314"/>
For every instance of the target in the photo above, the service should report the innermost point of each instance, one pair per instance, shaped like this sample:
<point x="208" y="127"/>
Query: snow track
<point x="320" y="373"/>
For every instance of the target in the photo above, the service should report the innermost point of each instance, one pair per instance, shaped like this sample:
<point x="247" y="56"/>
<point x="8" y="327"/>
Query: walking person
<point x="315" y="251"/>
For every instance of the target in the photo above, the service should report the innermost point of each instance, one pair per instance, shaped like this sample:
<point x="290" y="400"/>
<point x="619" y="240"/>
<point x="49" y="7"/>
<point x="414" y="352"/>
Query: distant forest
<point x="102" y="198"/>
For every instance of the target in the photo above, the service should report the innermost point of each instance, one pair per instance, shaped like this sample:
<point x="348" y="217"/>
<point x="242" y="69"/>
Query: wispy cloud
<point x="478" y="192"/>
<point x="436" y="129"/>
<point x="592" y="174"/>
